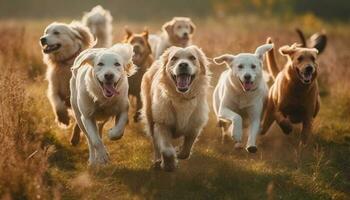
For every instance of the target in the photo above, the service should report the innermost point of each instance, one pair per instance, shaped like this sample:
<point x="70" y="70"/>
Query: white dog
<point x="177" y="32"/>
<point x="99" y="22"/>
<point x="99" y="88"/>
<point x="173" y="93"/>
<point x="241" y="93"/>
<point x="61" y="44"/>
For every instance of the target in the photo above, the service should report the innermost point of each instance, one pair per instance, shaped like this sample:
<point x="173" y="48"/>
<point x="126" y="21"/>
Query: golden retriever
<point x="99" y="88"/>
<point x="177" y="32"/>
<point x="174" y="96"/>
<point x="143" y="59"/>
<point x="294" y="96"/>
<point x="61" y="44"/>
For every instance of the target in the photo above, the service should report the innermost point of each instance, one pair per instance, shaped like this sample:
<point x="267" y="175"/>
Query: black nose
<point x="183" y="66"/>
<point x="309" y="69"/>
<point x="247" y="77"/>
<point x="186" y="34"/>
<point x="43" y="41"/>
<point x="109" y="77"/>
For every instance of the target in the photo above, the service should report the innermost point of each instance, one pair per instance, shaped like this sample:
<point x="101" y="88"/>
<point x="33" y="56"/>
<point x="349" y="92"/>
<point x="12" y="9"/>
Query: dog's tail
<point x="271" y="61"/>
<point x="317" y="40"/>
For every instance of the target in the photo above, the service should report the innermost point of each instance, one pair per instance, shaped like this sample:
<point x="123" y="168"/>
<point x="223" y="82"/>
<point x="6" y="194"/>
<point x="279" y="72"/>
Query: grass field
<point x="37" y="161"/>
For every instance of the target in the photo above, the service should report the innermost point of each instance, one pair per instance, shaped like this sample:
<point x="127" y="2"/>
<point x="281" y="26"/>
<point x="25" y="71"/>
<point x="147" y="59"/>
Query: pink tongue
<point x="248" y="85"/>
<point x="109" y="90"/>
<point x="183" y="81"/>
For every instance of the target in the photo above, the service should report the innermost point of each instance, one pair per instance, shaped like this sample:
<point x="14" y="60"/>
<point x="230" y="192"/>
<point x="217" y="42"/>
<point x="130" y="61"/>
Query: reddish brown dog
<point x="294" y="96"/>
<point x="143" y="60"/>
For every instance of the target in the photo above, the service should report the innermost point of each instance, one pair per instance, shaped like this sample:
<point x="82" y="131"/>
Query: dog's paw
<point x="238" y="145"/>
<point x="157" y="165"/>
<point x="183" y="155"/>
<point x="168" y="163"/>
<point x="102" y="156"/>
<point x="225" y="139"/>
<point x="62" y="118"/>
<point x="286" y="126"/>
<point x="115" y="133"/>
<point x="252" y="149"/>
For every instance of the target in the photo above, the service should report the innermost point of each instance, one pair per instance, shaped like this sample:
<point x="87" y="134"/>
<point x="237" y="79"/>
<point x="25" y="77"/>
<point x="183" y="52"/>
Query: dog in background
<point x="143" y="59"/>
<point x="317" y="41"/>
<point x="177" y="32"/>
<point x="174" y="96"/>
<point x="240" y="95"/>
<point x="99" y="88"/>
<point x="99" y="22"/>
<point x="61" y="44"/>
<point x="294" y="95"/>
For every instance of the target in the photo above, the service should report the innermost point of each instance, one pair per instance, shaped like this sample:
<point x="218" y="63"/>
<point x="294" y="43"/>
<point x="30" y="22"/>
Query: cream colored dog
<point x="177" y="32"/>
<point x="173" y="93"/>
<point x="99" y="22"/>
<point x="99" y="88"/>
<point x="61" y="44"/>
<point x="240" y="94"/>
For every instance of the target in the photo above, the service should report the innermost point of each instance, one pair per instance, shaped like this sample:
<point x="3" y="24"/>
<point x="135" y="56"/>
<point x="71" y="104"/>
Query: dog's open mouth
<point x="109" y="89"/>
<point x="51" y="48"/>
<point x="183" y="82"/>
<point x="305" y="77"/>
<point x="247" y="85"/>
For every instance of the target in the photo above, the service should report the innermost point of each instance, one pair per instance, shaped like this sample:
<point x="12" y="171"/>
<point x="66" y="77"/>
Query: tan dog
<point x="143" y="60"/>
<point x="99" y="22"/>
<point x="61" y="44"/>
<point x="294" y="96"/>
<point x="177" y="32"/>
<point x="174" y="96"/>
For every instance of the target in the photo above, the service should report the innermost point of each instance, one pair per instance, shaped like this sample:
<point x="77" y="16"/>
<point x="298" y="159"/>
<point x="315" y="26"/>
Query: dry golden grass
<point x="280" y="169"/>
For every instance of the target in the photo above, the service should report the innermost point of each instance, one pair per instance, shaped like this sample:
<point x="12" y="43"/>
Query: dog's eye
<point x="300" y="58"/>
<point x="100" y="64"/>
<point x="174" y="58"/>
<point x="117" y="64"/>
<point x="240" y="66"/>
<point x="192" y="58"/>
<point x="56" y="33"/>
<point x="313" y="59"/>
<point x="253" y="66"/>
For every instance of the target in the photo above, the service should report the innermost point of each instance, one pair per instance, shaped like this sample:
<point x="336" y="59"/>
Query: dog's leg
<point x="254" y="115"/>
<point x="237" y="121"/>
<point x="59" y="107"/>
<point x="118" y="130"/>
<point x="163" y="137"/>
<point x="100" y="127"/>
<point x="283" y="122"/>
<point x="75" y="136"/>
<point x="138" y="107"/>
<point x="157" y="156"/>
<point x="268" y="117"/>
<point x="306" y="130"/>
<point x="186" y="147"/>
<point x="95" y="141"/>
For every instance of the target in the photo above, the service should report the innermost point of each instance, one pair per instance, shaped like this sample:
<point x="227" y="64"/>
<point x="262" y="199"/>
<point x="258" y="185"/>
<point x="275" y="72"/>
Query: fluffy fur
<point x="99" y="22"/>
<point x="143" y="59"/>
<point x="177" y="32"/>
<point x="240" y="94"/>
<point x="173" y="93"/>
<point x="61" y="43"/>
<point x="294" y="97"/>
<point x="99" y="88"/>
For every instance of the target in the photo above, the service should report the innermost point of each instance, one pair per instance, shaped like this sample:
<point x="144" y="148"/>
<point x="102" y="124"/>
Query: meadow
<point x="37" y="161"/>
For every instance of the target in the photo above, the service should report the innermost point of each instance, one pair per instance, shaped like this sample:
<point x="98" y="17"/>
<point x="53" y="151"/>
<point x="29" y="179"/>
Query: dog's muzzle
<point x="183" y="78"/>
<point x="306" y="75"/>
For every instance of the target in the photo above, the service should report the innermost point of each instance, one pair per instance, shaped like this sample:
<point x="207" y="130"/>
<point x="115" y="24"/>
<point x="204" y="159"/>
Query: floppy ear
<point x="261" y="50"/>
<point x="83" y="33"/>
<point x="168" y="26"/>
<point x="85" y="57"/>
<point x="203" y="60"/>
<point x="226" y="58"/>
<point x="192" y="26"/>
<point x="126" y="52"/>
